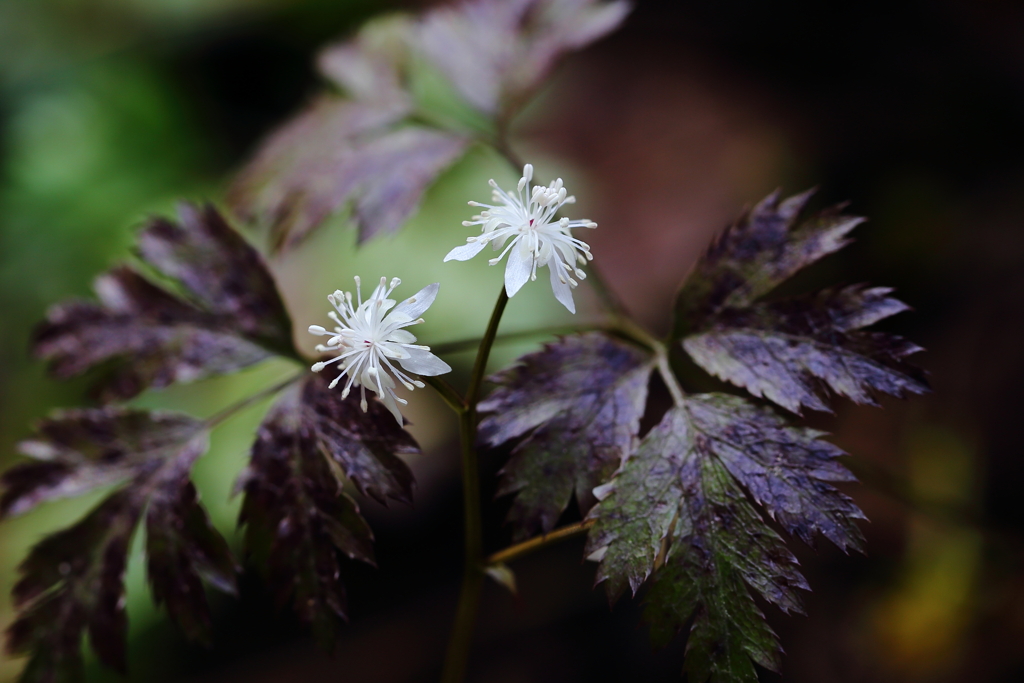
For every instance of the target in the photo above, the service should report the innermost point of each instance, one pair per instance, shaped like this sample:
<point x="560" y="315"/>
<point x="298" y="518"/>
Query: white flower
<point x="538" y="237"/>
<point x="370" y="339"/>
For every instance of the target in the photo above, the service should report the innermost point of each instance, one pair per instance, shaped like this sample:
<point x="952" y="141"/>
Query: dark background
<point x="912" y="112"/>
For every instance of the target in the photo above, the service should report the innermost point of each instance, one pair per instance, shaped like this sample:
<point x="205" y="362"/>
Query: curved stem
<point x="476" y="379"/>
<point x="514" y="552"/>
<point x="461" y="640"/>
<point x="448" y="393"/>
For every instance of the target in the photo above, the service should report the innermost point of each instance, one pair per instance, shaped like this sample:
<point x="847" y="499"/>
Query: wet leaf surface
<point x="576" y="405"/>
<point x="679" y="509"/>
<point x="798" y="352"/>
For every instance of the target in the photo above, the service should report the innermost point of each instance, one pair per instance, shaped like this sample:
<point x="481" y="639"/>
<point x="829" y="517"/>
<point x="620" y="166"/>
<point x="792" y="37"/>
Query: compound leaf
<point x="578" y="402"/>
<point x="679" y="508"/>
<point x="234" y="317"/>
<point x="298" y="520"/>
<point x="73" y="581"/>
<point x="797" y="352"/>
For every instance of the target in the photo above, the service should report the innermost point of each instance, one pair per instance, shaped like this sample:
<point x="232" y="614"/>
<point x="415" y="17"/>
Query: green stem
<point x="216" y="419"/>
<point x="461" y="640"/>
<point x="452" y="397"/>
<point x="476" y="380"/>
<point x="638" y="334"/>
<point x="460" y="345"/>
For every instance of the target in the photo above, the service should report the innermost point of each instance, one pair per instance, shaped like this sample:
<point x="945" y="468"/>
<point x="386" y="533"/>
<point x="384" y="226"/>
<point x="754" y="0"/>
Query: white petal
<point x="393" y="351"/>
<point x="423" y="362"/>
<point x="402" y="337"/>
<point x="388" y="400"/>
<point x="517" y="270"/>
<point x="466" y="251"/>
<point x="413" y="307"/>
<point x="562" y="290"/>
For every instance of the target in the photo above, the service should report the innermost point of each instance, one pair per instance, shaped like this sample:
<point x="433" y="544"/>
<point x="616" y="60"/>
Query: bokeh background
<point x="913" y="111"/>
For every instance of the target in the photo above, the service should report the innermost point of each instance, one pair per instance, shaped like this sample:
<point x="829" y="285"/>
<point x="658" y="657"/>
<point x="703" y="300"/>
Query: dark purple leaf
<point x="225" y="275"/>
<point x="73" y="580"/>
<point x="151" y="338"/>
<point x="795" y="352"/>
<point x="78" y="450"/>
<point x="497" y="52"/>
<point x="765" y="247"/>
<point x="298" y="520"/>
<point x="578" y="402"/>
<point x="182" y="549"/>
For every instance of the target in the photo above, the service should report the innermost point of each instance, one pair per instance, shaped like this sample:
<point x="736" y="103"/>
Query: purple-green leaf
<point x="298" y="521"/>
<point x="722" y="552"/>
<point x="679" y="509"/>
<point x="788" y="470"/>
<point x="577" y="404"/>
<point x="799" y="352"/>
<point x="796" y="352"/>
<point x="768" y="245"/>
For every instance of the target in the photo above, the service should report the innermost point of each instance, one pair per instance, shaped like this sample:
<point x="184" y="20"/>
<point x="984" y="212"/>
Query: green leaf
<point x="577" y="404"/>
<point x="680" y="508"/>
<point x="148" y="337"/>
<point x="722" y="552"/>
<point x="73" y="581"/>
<point x="298" y="521"/>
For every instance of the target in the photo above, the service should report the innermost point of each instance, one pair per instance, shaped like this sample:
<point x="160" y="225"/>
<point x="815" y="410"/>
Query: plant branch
<point x="461" y="640"/>
<point x="514" y="552"/>
<point x="476" y="379"/>
<point x="460" y="345"/>
<point x="231" y="410"/>
<point x="452" y="397"/>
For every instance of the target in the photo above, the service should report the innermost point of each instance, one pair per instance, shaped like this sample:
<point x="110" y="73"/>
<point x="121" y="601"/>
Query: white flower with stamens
<point x="369" y="337"/>
<point x="538" y="237"/>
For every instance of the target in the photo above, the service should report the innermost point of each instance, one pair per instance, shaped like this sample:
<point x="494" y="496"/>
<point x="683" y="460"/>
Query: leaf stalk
<point x="230" y="411"/>
<point x="514" y="552"/>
